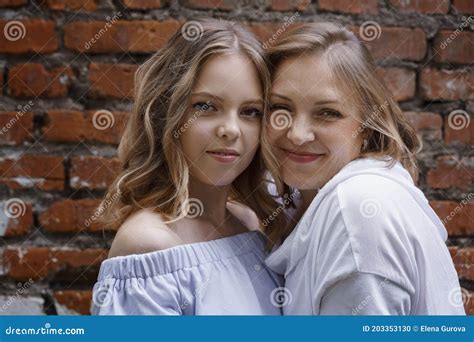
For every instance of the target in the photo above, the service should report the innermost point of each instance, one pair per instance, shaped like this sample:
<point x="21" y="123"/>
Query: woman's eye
<point x="274" y="107"/>
<point x="252" y="112"/>
<point x="329" y="114"/>
<point x="204" y="106"/>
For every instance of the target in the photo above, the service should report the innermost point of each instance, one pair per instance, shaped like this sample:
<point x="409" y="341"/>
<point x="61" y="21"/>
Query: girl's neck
<point x="211" y="199"/>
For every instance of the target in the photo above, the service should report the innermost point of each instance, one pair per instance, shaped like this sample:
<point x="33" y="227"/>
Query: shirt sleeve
<point x="365" y="294"/>
<point x="157" y="295"/>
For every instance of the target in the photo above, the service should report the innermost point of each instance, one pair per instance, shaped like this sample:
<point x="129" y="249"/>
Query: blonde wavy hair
<point x="386" y="133"/>
<point x="154" y="173"/>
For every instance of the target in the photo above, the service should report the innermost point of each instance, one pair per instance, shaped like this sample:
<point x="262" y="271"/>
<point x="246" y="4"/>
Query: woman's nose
<point x="300" y="131"/>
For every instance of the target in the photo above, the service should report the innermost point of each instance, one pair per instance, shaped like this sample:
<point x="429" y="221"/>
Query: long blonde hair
<point x="387" y="133"/>
<point x="154" y="173"/>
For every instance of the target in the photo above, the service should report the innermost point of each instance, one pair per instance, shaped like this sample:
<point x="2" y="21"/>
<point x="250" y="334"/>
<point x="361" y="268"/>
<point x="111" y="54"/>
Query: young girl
<point x="191" y="144"/>
<point x="367" y="242"/>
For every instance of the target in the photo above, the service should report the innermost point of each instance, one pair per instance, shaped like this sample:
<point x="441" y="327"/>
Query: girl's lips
<point x="301" y="157"/>
<point x="223" y="157"/>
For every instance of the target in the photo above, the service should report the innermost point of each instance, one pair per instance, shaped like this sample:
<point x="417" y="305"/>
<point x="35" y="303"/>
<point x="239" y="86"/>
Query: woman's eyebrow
<point x="281" y="96"/>
<point x="323" y="102"/>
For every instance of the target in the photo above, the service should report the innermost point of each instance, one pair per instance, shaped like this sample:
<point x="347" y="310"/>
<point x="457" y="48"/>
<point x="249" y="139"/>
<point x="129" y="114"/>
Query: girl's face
<point x="220" y="132"/>
<point x="313" y="130"/>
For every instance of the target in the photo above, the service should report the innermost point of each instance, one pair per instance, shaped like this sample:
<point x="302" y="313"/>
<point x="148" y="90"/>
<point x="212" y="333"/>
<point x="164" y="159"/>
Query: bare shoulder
<point x="143" y="232"/>
<point x="244" y="214"/>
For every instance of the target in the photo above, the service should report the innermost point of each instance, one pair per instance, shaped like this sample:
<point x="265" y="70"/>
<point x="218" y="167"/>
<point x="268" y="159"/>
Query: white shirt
<point x="369" y="243"/>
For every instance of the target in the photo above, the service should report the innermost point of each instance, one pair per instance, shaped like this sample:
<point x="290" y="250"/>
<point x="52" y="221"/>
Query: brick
<point x="451" y="173"/>
<point x="469" y="303"/>
<point x="16" y="127"/>
<point x="463" y="6"/>
<point x="353" y="6"/>
<point x="16" y="217"/>
<point x="425" y="6"/>
<point x="37" y="36"/>
<point x="224" y="5"/>
<point x="33" y="79"/>
<point x="463" y="259"/>
<point x="446" y="84"/>
<point x="290" y="5"/>
<point x="68" y="215"/>
<point x="69" y="126"/>
<point x="456" y="216"/>
<point x="73" y="301"/>
<point x="13" y="3"/>
<point x="111" y="80"/>
<point x="21" y="305"/>
<point x="142" y="4"/>
<point x="454" y="47"/>
<point x="43" y="172"/>
<point x="72" y="5"/>
<point x="401" y="82"/>
<point x="23" y="263"/>
<point x="93" y="172"/>
<point x="426" y="124"/>
<point x="458" y="128"/>
<point x="118" y="36"/>
<point x="393" y="42"/>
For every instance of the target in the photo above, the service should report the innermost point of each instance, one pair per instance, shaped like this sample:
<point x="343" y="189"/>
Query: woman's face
<point x="220" y="132"/>
<point x="312" y="125"/>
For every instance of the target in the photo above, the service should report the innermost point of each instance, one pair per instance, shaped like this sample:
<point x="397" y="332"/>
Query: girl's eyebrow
<point x="255" y="101"/>
<point x="203" y="93"/>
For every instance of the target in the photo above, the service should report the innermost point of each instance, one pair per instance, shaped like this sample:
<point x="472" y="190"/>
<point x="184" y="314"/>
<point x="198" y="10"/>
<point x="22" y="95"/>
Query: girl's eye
<point x="252" y="112"/>
<point x="204" y="106"/>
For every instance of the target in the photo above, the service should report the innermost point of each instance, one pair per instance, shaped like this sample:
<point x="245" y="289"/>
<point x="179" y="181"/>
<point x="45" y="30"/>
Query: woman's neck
<point x="302" y="203"/>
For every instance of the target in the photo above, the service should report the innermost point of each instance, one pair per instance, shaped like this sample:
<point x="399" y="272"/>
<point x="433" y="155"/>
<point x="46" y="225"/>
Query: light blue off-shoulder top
<point x="226" y="276"/>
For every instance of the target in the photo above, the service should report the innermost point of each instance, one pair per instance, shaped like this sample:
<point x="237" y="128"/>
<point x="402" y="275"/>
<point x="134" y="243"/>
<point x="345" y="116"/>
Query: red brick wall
<point x="65" y="64"/>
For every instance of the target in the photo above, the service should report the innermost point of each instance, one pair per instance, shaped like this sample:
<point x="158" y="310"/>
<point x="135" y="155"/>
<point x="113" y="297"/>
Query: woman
<point x="190" y="145"/>
<point x="367" y="242"/>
